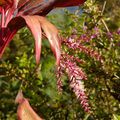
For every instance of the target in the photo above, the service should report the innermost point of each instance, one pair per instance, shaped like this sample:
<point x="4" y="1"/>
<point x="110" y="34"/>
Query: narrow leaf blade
<point x="5" y="40"/>
<point x="25" y="111"/>
<point x="52" y="35"/>
<point x="34" y="25"/>
<point x="68" y="3"/>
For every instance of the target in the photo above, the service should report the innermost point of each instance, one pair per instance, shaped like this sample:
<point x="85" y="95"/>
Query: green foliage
<point x="19" y="71"/>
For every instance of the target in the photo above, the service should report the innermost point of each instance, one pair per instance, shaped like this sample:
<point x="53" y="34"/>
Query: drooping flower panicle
<point x="76" y="45"/>
<point x="76" y="76"/>
<point x="68" y="64"/>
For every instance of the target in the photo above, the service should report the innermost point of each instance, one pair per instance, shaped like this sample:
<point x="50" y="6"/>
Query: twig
<point x="103" y="9"/>
<point x="104" y="23"/>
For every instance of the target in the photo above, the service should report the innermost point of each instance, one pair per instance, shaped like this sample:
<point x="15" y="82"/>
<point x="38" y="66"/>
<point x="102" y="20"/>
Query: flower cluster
<point x="75" y="75"/>
<point x="68" y="64"/>
<point x="118" y="31"/>
<point x="76" y="45"/>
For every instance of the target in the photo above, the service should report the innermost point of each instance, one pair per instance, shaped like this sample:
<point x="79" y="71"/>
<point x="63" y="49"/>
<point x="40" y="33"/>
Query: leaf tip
<point x="19" y="98"/>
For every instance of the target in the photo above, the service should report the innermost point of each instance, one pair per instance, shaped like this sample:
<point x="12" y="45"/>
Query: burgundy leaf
<point x="25" y="111"/>
<point x="34" y="25"/>
<point x="52" y="35"/>
<point x="22" y="3"/>
<point x="4" y="2"/>
<point x="68" y="3"/>
<point x="4" y="42"/>
<point x="11" y="11"/>
<point x="30" y="4"/>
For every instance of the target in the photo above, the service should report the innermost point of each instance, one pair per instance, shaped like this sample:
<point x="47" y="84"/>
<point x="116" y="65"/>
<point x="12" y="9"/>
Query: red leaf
<point x="8" y="37"/>
<point x="68" y="3"/>
<point x="22" y="3"/>
<point x="25" y="111"/>
<point x="34" y="25"/>
<point x="30" y="4"/>
<point x="52" y="35"/>
<point x="19" y="98"/>
<point x="4" y="2"/>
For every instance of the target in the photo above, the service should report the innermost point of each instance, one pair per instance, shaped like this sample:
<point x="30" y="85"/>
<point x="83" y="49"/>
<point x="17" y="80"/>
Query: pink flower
<point x="76" y="76"/>
<point x="118" y="31"/>
<point x="78" y="89"/>
<point x="77" y="46"/>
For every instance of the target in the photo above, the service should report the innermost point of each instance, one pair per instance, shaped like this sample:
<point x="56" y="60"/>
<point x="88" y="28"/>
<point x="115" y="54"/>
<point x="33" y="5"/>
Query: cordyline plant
<point x="15" y="14"/>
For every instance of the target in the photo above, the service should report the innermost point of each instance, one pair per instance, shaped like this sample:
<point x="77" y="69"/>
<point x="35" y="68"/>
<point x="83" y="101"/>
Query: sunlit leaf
<point x="25" y="111"/>
<point x="34" y="25"/>
<point x="52" y="35"/>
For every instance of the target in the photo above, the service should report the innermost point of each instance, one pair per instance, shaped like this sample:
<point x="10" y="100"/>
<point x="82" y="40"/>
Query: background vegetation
<point x="99" y="25"/>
